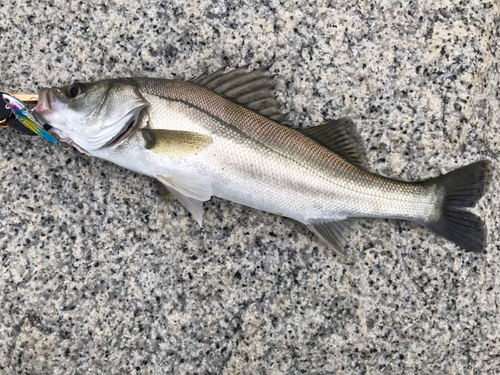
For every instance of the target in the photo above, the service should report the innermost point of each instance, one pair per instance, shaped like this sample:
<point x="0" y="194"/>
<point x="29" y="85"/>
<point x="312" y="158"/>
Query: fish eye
<point x="75" y="90"/>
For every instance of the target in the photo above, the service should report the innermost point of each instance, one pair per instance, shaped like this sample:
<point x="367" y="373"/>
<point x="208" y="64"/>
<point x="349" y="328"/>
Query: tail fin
<point x="462" y="188"/>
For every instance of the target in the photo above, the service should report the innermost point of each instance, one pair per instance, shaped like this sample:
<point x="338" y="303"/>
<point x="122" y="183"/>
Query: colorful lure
<point x="26" y="118"/>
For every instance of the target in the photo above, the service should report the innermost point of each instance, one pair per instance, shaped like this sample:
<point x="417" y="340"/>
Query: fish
<point x="26" y="118"/>
<point x="223" y="134"/>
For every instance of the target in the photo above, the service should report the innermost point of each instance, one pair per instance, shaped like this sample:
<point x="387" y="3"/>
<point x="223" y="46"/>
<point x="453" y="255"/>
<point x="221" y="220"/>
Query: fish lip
<point x="127" y="131"/>
<point x="48" y="102"/>
<point x="44" y="100"/>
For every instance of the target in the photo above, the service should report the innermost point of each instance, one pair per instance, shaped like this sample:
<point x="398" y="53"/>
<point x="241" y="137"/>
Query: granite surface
<point x="99" y="275"/>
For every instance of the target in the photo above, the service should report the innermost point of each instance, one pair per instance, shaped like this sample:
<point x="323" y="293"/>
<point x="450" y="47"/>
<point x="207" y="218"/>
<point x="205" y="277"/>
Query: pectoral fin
<point x="175" y="143"/>
<point x="190" y="192"/>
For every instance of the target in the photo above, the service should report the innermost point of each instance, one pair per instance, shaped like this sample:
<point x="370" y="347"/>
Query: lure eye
<point x="74" y="90"/>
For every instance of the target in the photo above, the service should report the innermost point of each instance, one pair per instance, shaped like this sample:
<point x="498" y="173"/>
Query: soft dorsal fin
<point x="252" y="90"/>
<point x="339" y="137"/>
<point x="334" y="233"/>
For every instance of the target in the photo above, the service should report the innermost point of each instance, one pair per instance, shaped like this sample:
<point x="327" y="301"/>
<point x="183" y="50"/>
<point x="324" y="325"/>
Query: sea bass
<point x="223" y="135"/>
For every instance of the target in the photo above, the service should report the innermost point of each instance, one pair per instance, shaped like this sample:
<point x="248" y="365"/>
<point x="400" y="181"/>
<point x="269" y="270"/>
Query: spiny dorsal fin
<point x="252" y="90"/>
<point x="174" y="143"/>
<point x="339" y="137"/>
<point x="334" y="233"/>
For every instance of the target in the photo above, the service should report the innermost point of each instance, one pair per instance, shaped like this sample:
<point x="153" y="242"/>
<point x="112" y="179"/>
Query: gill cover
<point x="91" y="115"/>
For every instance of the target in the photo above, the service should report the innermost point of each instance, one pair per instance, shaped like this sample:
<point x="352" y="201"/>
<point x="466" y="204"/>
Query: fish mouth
<point x="44" y="99"/>
<point x="128" y="130"/>
<point x="48" y="104"/>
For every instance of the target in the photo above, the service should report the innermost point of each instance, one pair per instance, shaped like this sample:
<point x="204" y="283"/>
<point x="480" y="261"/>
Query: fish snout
<point x="49" y="100"/>
<point x="43" y="104"/>
<point x="50" y="107"/>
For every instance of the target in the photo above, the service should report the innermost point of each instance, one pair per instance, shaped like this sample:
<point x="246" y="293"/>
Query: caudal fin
<point x="462" y="188"/>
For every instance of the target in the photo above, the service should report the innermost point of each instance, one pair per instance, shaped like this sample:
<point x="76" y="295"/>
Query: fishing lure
<point x="26" y="118"/>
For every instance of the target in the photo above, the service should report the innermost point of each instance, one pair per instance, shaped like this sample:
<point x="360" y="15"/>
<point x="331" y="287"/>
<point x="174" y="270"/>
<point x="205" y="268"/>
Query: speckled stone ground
<point x="100" y="275"/>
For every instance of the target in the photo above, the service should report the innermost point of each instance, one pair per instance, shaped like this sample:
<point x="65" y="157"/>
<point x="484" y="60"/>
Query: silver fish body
<point x="262" y="164"/>
<point x="199" y="143"/>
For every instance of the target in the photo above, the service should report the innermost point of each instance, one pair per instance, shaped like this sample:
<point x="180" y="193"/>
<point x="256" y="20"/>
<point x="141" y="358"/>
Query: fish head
<point x="91" y="116"/>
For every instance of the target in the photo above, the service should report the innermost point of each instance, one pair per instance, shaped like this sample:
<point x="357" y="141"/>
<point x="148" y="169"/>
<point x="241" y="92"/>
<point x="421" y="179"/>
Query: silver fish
<point x="223" y="134"/>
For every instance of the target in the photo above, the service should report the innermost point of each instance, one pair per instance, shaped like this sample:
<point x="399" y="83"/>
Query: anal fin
<point x="333" y="233"/>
